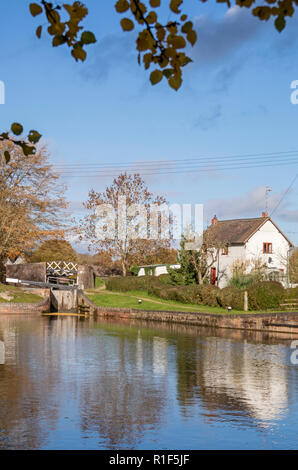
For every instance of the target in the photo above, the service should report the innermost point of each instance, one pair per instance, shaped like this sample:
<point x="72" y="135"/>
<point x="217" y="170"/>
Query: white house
<point x="249" y="241"/>
<point x="155" y="269"/>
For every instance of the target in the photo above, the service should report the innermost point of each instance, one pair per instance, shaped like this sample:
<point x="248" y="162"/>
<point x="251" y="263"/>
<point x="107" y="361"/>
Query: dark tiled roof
<point x="234" y="231"/>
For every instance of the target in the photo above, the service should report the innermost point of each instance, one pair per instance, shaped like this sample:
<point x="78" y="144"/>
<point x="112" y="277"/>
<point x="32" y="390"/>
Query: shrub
<point x="231" y="297"/>
<point x="241" y="281"/>
<point x="208" y="294"/>
<point x="165" y="279"/>
<point x="134" y="270"/>
<point x="184" y="294"/>
<point x="124" y="284"/>
<point x="291" y="293"/>
<point x="265" y="295"/>
<point x="188" y="294"/>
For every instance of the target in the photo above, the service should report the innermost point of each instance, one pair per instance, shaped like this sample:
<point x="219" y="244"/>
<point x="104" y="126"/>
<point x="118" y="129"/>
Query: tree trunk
<point x="124" y="270"/>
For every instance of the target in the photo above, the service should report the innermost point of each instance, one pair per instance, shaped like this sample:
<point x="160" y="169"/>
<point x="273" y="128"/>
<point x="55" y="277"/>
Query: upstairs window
<point x="267" y="248"/>
<point x="225" y="250"/>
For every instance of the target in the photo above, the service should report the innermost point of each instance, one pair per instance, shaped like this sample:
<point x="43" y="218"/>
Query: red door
<point x="213" y="276"/>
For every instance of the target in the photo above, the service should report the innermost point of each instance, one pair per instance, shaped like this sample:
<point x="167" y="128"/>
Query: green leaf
<point x="34" y="137"/>
<point x="88" y="38"/>
<point x="16" y="128"/>
<point x="280" y="23"/>
<point x="35" y="9"/>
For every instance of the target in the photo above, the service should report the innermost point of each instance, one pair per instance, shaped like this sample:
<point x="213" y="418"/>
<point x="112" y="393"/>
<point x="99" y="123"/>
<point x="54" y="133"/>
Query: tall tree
<point x="32" y="202"/>
<point x="54" y="250"/>
<point x="153" y="254"/>
<point x="124" y="237"/>
<point x="195" y="264"/>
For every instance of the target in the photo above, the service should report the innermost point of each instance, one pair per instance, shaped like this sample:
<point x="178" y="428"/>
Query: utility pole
<point x="267" y="191"/>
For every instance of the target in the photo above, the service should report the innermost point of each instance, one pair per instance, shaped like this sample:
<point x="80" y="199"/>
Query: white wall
<point x="159" y="270"/>
<point x="253" y="249"/>
<point x="225" y="263"/>
<point x="268" y="233"/>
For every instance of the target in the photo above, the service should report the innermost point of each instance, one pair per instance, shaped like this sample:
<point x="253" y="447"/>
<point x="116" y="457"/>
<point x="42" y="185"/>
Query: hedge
<point x="291" y="293"/>
<point x="265" y="295"/>
<point x="231" y="297"/>
<point x="261" y="295"/>
<point x="124" y="284"/>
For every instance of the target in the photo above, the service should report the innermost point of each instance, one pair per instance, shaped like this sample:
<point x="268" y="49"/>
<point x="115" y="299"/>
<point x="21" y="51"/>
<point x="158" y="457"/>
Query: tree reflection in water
<point x="68" y="381"/>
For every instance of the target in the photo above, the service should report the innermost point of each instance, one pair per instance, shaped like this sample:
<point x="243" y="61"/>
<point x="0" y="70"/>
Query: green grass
<point x="18" y="295"/>
<point x="130" y="300"/>
<point x="99" y="282"/>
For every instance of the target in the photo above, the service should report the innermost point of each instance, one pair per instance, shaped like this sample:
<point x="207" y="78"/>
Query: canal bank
<point x="28" y="308"/>
<point x="282" y="322"/>
<point x="77" y="301"/>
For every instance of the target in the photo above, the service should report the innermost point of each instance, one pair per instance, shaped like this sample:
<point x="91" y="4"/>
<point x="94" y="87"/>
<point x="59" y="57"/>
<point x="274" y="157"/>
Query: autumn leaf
<point x="35" y="9"/>
<point x="39" y="31"/>
<point x="79" y="54"/>
<point x="127" y="24"/>
<point x="192" y="37"/>
<point x="122" y="6"/>
<point x="34" y="137"/>
<point x="174" y="5"/>
<point x="175" y="82"/>
<point x="16" y="128"/>
<point x="155" y="3"/>
<point x="88" y="38"/>
<point x="156" y="77"/>
<point x="280" y="23"/>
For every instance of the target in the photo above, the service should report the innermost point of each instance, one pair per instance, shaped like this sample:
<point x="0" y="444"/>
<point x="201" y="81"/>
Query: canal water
<point x="76" y="383"/>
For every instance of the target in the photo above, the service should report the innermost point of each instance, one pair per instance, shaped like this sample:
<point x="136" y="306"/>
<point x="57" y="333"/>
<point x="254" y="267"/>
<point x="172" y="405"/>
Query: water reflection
<point x="2" y="353"/>
<point x="71" y="382"/>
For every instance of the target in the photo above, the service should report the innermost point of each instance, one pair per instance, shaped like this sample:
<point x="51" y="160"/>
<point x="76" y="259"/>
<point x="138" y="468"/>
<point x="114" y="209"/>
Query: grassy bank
<point x="11" y="294"/>
<point x="106" y="298"/>
<point x="130" y="299"/>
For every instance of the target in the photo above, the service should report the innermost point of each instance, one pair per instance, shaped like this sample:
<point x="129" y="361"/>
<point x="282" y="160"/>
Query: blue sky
<point x="235" y="100"/>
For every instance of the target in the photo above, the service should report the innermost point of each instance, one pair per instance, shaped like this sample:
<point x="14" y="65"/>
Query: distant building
<point x="18" y="260"/>
<point x="155" y="269"/>
<point x="249" y="241"/>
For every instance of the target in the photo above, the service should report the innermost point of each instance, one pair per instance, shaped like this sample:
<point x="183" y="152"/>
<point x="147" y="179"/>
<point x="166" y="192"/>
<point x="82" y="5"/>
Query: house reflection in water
<point x="2" y="353"/>
<point x="119" y="384"/>
<point x="229" y="376"/>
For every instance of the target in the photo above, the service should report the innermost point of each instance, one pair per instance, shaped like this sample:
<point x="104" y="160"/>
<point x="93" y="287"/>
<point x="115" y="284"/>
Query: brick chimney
<point x="214" y="220"/>
<point x="264" y="214"/>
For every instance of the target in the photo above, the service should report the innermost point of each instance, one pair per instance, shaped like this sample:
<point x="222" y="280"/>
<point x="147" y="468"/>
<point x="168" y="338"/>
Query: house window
<point x="225" y="250"/>
<point x="267" y="248"/>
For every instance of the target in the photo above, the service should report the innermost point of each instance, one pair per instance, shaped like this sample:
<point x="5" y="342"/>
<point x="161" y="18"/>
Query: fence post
<point x="245" y="301"/>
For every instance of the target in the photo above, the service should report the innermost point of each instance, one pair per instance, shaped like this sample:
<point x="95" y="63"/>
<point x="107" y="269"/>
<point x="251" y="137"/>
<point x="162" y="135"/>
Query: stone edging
<point x="248" y="321"/>
<point x="25" y="308"/>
